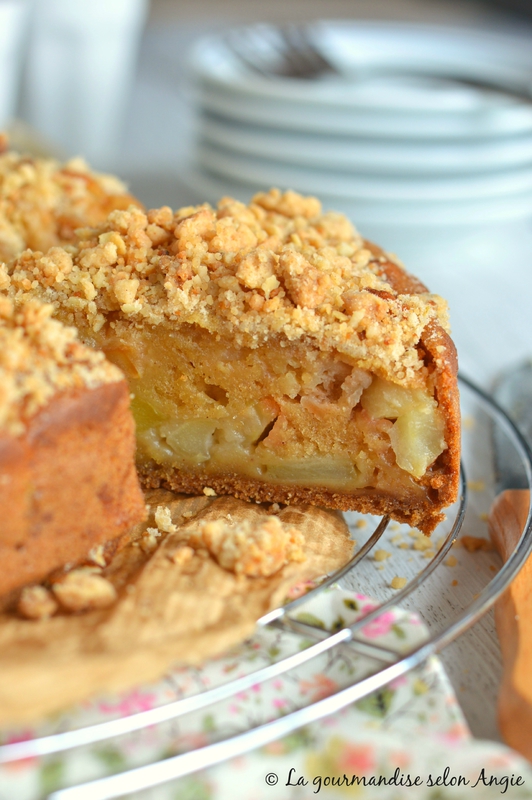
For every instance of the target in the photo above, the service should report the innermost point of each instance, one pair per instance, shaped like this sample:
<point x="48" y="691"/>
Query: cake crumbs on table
<point x="476" y="486"/>
<point x="474" y="543"/>
<point x="398" y="583"/>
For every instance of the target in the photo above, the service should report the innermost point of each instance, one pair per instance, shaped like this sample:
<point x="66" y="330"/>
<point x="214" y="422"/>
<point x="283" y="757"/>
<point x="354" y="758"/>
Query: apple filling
<point x="283" y="414"/>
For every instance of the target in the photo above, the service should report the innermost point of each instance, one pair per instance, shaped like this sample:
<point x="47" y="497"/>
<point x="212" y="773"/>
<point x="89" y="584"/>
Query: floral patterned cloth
<point x="408" y="739"/>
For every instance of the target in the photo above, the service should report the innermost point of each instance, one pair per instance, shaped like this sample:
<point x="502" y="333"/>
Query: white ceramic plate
<point x="366" y="155"/>
<point x="452" y="218"/>
<point x="397" y="190"/>
<point x="390" y="105"/>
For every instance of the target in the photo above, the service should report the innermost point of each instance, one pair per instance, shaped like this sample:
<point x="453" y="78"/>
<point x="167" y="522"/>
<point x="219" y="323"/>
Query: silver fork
<point x="287" y="51"/>
<point x="291" y="51"/>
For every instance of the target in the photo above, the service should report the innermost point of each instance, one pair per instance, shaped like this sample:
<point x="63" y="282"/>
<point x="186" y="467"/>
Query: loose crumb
<point x="149" y="539"/>
<point x="381" y="555"/>
<point x="422" y="543"/>
<point x="208" y="492"/>
<point x="253" y="548"/>
<point x="398" y="583"/>
<point x="163" y="520"/>
<point x="83" y="590"/>
<point x="451" y="561"/>
<point x="182" y="555"/>
<point x="96" y="555"/>
<point x="454" y="582"/>
<point x="361" y="523"/>
<point x="36" y="602"/>
<point x="476" y="486"/>
<point x="474" y="543"/>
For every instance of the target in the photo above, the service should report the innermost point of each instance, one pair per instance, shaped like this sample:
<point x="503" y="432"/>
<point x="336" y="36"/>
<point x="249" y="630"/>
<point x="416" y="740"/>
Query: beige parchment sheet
<point x="166" y="614"/>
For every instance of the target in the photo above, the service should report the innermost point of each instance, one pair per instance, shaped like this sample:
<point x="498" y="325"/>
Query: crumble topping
<point x="279" y="267"/>
<point x="42" y="202"/>
<point x="36" y="602"/>
<point x="251" y="547"/>
<point x="84" y="590"/>
<point x="40" y="357"/>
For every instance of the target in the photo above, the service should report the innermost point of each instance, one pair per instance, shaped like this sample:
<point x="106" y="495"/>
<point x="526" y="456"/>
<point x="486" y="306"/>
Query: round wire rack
<point x="482" y="419"/>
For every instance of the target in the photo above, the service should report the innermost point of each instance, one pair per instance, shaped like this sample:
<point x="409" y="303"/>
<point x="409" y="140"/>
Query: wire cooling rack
<point x="389" y="664"/>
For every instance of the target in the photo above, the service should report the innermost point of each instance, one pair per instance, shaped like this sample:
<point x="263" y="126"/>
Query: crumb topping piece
<point x="40" y="357"/>
<point x="84" y="590"/>
<point x="279" y="267"/>
<point x="43" y="202"/>
<point x="36" y="602"/>
<point x="254" y="548"/>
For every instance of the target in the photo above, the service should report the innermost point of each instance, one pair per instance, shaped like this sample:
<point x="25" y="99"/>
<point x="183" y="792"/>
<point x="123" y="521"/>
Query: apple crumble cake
<point x="271" y="352"/>
<point x="42" y="202"/>
<point x="67" y="443"/>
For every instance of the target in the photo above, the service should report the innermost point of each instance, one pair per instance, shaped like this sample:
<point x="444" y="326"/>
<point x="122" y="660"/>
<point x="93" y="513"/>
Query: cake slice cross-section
<point x="271" y="352"/>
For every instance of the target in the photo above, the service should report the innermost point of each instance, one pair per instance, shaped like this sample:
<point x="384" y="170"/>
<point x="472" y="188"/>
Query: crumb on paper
<point x="468" y="423"/>
<point x="361" y="523"/>
<point x="254" y="548"/>
<point x="451" y="561"/>
<point x="97" y="555"/>
<point x="381" y="555"/>
<point x="163" y="520"/>
<point x="398" y="583"/>
<point x="83" y="590"/>
<point x="36" y="602"/>
<point x="454" y="582"/>
<point x="208" y="492"/>
<point x="182" y="555"/>
<point x="149" y="539"/>
<point x="428" y="554"/>
<point x="493" y="568"/>
<point x="476" y="486"/>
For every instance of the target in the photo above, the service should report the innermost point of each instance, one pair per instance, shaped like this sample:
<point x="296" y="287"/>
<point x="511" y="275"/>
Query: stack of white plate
<point x="388" y="140"/>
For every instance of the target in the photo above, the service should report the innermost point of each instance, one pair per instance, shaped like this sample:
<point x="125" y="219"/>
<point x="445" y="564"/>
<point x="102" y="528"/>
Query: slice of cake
<point x="67" y="473"/>
<point x="42" y="202"/>
<point x="272" y="353"/>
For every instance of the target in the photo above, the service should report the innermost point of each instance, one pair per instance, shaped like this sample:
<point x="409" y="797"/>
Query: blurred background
<point x="417" y="124"/>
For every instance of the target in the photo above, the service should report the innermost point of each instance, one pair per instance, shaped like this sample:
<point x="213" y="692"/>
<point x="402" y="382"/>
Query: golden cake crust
<point x="67" y="484"/>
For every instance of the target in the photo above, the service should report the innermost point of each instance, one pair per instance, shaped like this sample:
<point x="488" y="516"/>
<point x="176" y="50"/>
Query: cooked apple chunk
<point x="271" y="353"/>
